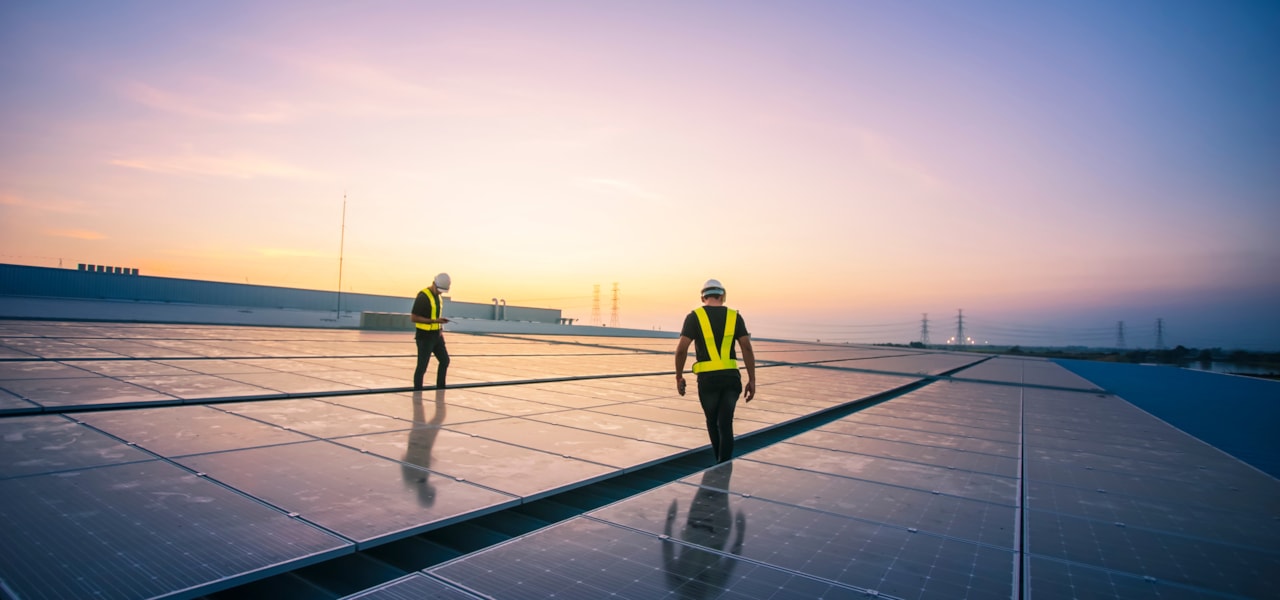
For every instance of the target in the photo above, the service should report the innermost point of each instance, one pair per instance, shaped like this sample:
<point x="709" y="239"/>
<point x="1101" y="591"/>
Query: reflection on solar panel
<point x="180" y="461"/>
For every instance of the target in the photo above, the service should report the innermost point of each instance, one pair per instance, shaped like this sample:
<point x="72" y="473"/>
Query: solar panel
<point x="414" y="587"/>
<point x="1032" y="371"/>
<point x="892" y="560"/>
<point x="1047" y="578"/>
<point x="507" y="468"/>
<point x="140" y="530"/>
<point x="913" y="451"/>
<point x="557" y="394"/>
<point x="589" y="559"/>
<point x="317" y="418"/>
<point x="592" y="446"/>
<point x="962" y="518"/>
<point x="965" y="484"/>
<point x="860" y="425"/>
<point x="39" y="444"/>
<point x="1250" y="526"/>
<point x="12" y="404"/>
<point x="181" y="430"/>
<point x="507" y="401"/>
<point x="417" y="407"/>
<point x="311" y="447"/>
<point x="359" y="496"/>
<point x="1247" y="572"/>
<point x="198" y="387"/>
<point x="677" y="436"/>
<point x="922" y="364"/>
<point x="80" y="391"/>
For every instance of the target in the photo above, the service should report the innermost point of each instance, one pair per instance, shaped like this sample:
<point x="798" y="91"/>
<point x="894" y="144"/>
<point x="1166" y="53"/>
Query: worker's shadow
<point x="421" y="438"/>
<point x="695" y="572"/>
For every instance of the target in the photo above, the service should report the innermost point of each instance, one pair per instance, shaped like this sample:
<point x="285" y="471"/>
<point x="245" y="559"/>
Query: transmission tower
<point x="595" y="304"/>
<point x="1159" y="334"/>
<point x="613" y="314"/>
<point x="924" y="328"/>
<point x="1120" y="334"/>
<point x="960" y="326"/>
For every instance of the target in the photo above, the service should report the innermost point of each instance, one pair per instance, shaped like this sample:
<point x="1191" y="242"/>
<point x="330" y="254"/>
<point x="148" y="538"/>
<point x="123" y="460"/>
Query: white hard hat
<point x="712" y="288"/>
<point x="442" y="282"/>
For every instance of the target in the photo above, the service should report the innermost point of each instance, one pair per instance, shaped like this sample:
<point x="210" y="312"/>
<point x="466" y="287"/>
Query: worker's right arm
<point x="682" y="355"/>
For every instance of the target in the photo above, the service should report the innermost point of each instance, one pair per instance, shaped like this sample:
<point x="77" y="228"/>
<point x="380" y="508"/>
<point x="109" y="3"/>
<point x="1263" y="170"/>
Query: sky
<point x="1040" y="172"/>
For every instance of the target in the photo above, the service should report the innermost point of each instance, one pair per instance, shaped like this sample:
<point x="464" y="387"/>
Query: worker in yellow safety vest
<point x="428" y="333"/>
<point x="713" y="328"/>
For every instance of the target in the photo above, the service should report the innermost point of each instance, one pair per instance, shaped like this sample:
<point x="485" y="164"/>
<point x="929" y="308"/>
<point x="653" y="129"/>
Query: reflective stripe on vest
<point x="435" y="312"/>
<point x="720" y="360"/>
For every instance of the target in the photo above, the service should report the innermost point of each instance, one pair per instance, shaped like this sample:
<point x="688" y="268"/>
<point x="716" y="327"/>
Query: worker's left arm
<point x="748" y="357"/>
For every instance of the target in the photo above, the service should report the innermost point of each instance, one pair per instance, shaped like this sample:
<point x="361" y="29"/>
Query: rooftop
<point x="161" y="461"/>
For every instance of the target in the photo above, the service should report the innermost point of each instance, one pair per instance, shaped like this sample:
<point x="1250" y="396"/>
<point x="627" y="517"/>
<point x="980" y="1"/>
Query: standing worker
<point x="429" y="335"/>
<point x="713" y="328"/>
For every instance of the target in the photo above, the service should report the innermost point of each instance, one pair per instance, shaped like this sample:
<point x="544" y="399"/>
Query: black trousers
<point x="719" y="397"/>
<point x="430" y="342"/>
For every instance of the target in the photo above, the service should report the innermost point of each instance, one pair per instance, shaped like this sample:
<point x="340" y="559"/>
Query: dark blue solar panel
<point x="587" y="559"/>
<point x="1248" y="572"/>
<point x="363" y="497"/>
<point x="142" y="530"/>
<point x="925" y="477"/>
<point x="414" y="587"/>
<point x="900" y="561"/>
<point x="34" y="444"/>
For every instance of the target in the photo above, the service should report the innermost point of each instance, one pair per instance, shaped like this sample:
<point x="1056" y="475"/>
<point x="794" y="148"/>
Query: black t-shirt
<point x="716" y="316"/>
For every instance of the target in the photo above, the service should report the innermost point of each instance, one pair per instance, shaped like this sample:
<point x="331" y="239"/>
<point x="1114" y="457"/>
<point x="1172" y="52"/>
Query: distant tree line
<point x="1179" y="355"/>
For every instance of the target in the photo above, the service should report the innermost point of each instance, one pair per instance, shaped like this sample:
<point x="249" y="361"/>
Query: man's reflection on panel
<point x="421" y="438"/>
<point x="694" y="572"/>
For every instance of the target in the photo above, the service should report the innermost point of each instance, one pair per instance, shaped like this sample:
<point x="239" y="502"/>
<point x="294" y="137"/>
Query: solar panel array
<point x="146" y="461"/>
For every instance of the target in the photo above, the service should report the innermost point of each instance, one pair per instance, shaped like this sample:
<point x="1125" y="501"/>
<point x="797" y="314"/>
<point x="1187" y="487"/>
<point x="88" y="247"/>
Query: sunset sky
<point x="844" y="167"/>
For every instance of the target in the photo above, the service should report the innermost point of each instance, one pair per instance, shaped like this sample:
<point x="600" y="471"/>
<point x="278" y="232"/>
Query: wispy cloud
<point x="210" y="104"/>
<point x="350" y="86"/>
<point x="44" y="205"/>
<point x="75" y="234"/>
<point x="234" y="167"/>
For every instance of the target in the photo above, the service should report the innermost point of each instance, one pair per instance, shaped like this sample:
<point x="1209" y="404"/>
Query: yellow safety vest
<point x="435" y="312"/>
<point x="720" y="360"/>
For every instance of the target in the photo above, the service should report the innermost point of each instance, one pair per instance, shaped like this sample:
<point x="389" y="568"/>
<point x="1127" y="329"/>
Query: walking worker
<point x="429" y="335"/>
<point x="713" y="328"/>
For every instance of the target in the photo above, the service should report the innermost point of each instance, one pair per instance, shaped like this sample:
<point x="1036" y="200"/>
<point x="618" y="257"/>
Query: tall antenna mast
<point x="342" y="243"/>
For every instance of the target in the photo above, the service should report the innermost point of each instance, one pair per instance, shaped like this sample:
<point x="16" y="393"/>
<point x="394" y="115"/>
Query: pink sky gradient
<point x="837" y="164"/>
